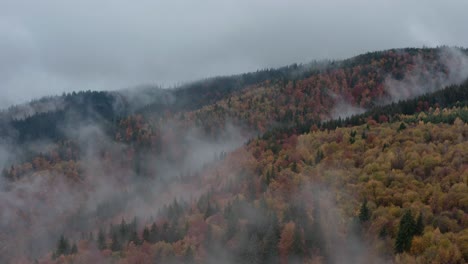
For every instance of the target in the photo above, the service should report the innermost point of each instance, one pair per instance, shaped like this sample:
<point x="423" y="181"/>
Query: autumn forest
<point x="362" y="160"/>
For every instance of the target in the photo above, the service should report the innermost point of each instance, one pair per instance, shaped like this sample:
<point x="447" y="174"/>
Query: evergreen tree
<point x="364" y="135"/>
<point x="352" y="137"/>
<point x="364" y="213"/>
<point x="383" y="233"/>
<point x="272" y="174"/>
<point x="63" y="247"/>
<point x="133" y="225"/>
<point x="154" y="234"/>
<point x="268" y="178"/>
<point x="319" y="156"/>
<point x="401" y="127"/>
<point x="419" y="228"/>
<point x="209" y="210"/>
<point x="101" y="240"/>
<point x="134" y="238"/>
<point x="297" y="248"/>
<point x="115" y="246"/>
<point x="123" y="229"/>
<point x="405" y="233"/>
<point x="112" y="230"/>
<point x="270" y="241"/>
<point x="166" y="235"/>
<point x="294" y="167"/>
<point x="146" y="234"/>
<point x="74" y="249"/>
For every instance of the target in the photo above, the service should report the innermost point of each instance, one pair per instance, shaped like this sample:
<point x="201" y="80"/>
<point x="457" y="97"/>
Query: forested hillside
<point x="260" y="100"/>
<point x="362" y="193"/>
<point x="355" y="161"/>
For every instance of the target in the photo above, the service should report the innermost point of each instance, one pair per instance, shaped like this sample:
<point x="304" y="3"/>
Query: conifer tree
<point x="294" y="167"/>
<point x="271" y="240"/>
<point x="154" y="234"/>
<point x="146" y="234"/>
<point x="74" y="249"/>
<point x="63" y="247"/>
<point x="268" y="178"/>
<point x="319" y="156"/>
<point x="209" y="210"/>
<point x="115" y="246"/>
<point x="134" y="238"/>
<point x="133" y="224"/>
<point x="383" y="233"/>
<point x="405" y="234"/>
<point x="364" y="213"/>
<point x="123" y="229"/>
<point x="101" y="240"/>
<point x="401" y="127"/>
<point x="419" y="228"/>
<point x="297" y="248"/>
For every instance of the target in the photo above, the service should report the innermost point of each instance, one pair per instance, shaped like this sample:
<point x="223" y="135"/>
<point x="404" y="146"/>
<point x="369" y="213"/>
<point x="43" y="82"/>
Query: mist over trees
<point x="263" y="167"/>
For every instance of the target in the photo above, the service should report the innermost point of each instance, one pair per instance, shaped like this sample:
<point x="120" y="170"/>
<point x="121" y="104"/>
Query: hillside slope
<point x="259" y="100"/>
<point x="292" y="164"/>
<point x="325" y="196"/>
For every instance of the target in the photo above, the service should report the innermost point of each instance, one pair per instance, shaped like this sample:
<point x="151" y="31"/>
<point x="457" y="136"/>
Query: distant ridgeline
<point x="75" y="109"/>
<point x="104" y="108"/>
<point x="359" y="80"/>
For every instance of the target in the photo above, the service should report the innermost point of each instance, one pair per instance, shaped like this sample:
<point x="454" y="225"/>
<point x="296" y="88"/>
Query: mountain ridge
<point x="234" y="167"/>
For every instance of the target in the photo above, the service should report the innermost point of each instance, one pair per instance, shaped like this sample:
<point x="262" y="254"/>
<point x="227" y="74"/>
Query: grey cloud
<point x="106" y="190"/>
<point x="424" y="79"/>
<point x="48" y="47"/>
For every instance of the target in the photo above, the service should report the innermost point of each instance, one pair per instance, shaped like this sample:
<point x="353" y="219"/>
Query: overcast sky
<point x="48" y="47"/>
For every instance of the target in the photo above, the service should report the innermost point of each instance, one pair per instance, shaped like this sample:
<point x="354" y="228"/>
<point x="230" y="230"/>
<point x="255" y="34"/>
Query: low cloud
<point x="50" y="47"/>
<point x="427" y="78"/>
<point x="40" y="206"/>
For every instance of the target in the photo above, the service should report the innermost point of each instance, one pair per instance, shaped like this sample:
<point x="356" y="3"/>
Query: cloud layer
<point x="48" y="47"/>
